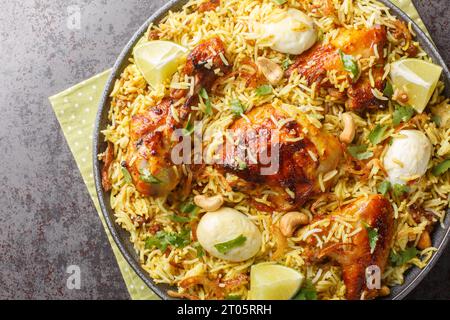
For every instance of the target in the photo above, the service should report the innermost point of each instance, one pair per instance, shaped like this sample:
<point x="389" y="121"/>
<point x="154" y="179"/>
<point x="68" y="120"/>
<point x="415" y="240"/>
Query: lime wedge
<point x="416" y="78"/>
<point x="158" y="60"/>
<point x="274" y="282"/>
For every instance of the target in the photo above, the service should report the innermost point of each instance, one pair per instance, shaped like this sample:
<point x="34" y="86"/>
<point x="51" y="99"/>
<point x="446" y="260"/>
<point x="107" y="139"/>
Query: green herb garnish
<point x="189" y="208"/>
<point x="441" y="168"/>
<point x="279" y="2"/>
<point x="147" y="177"/>
<point x="388" y="90"/>
<point x="179" y="219"/>
<point x="402" y="257"/>
<point x="264" y="90"/>
<point x="372" y="233"/>
<point x="242" y="164"/>
<point x="307" y="292"/>
<point x="437" y="120"/>
<point x="164" y="239"/>
<point x="233" y="297"/>
<point x="378" y="134"/>
<point x="402" y="114"/>
<point x="226" y="247"/>
<point x="204" y="94"/>
<point x="400" y="190"/>
<point x="237" y="108"/>
<point x="384" y="187"/>
<point x="189" y="128"/>
<point x="286" y="64"/>
<point x="126" y="175"/>
<point x="200" y="250"/>
<point x="360" y="152"/>
<point x="350" y="64"/>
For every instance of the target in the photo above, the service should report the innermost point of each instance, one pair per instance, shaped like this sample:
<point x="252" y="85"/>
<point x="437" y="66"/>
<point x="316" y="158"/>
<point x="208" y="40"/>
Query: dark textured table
<point x="47" y="220"/>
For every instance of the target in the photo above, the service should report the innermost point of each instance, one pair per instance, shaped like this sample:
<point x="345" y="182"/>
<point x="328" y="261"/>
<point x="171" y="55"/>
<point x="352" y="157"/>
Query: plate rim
<point x="414" y="275"/>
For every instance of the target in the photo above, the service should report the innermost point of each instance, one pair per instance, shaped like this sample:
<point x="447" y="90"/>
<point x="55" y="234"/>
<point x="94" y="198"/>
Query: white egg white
<point x="408" y="156"/>
<point x="293" y="34"/>
<point x="225" y="225"/>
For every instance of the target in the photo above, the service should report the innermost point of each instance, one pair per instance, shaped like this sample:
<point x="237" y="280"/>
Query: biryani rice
<point x="233" y="22"/>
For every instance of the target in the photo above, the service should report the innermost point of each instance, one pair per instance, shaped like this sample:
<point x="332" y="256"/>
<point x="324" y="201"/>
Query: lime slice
<point x="158" y="60"/>
<point x="274" y="282"/>
<point x="416" y="78"/>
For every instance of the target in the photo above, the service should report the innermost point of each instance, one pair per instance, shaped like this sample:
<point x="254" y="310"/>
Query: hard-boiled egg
<point x="293" y="34"/>
<point x="229" y="226"/>
<point x="408" y="156"/>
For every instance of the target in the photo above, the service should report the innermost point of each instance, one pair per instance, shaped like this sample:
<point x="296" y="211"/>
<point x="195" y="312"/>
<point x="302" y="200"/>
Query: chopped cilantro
<point x="307" y="292"/>
<point x="189" y="128"/>
<point x="384" y="187"/>
<point x="147" y="177"/>
<point x="264" y="90"/>
<point x="402" y="114"/>
<point x="378" y="134"/>
<point x="204" y="94"/>
<point x="164" y="239"/>
<point x="350" y="64"/>
<point x="441" y="168"/>
<point x="226" y="247"/>
<point x="402" y="257"/>
<point x="360" y="152"/>
<point x="372" y="233"/>
<point x="400" y="190"/>
<point x="388" y="90"/>
<point x="237" y="108"/>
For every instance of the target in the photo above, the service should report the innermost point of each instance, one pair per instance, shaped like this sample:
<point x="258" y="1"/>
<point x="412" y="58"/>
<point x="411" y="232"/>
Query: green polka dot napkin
<point x="76" y="109"/>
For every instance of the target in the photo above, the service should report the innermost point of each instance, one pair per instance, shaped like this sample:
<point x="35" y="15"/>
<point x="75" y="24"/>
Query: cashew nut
<point x="270" y="70"/>
<point x="348" y="134"/>
<point x="291" y="221"/>
<point x="209" y="204"/>
<point x="424" y="241"/>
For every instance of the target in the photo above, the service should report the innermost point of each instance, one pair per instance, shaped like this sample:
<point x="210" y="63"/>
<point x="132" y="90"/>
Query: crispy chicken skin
<point x="206" y="64"/>
<point x="374" y="212"/>
<point x="149" y="151"/>
<point x="297" y="170"/>
<point x="315" y="63"/>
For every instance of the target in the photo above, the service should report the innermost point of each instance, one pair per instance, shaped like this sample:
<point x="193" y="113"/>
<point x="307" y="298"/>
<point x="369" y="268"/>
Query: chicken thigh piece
<point x="285" y="154"/>
<point x="149" y="150"/>
<point x="318" y="62"/>
<point x="371" y="246"/>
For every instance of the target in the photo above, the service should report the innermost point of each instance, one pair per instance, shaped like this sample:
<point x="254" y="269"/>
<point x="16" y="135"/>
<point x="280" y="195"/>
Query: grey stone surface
<point x="47" y="220"/>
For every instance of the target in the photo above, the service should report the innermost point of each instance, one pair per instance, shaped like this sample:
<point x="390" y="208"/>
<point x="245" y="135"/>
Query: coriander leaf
<point x="286" y="64"/>
<point x="242" y="164"/>
<point x="372" y="233"/>
<point x="237" y="108"/>
<point x="307" y="292"/>
<point x="264" y="90"/>
<point x="400" y="190"/>
<point x="147" y="177"/>
<point x="200" y="251"/>
<point x="360" y="152"/>
<point x="378" y="134"/>
<point x="279" y="2"/>
<point x="189" y="207"/>
<point x="441" y="168"/>
<point x="126" y="175"/>
<point x="384" y="187"/>
<point x="402" y="114"/>
<point x="233" y="297"/>
<point x="179" y="219"/>
<point x="402" y="257"/>
<point x="350" y="64"/>
<point x="189" y="128"/>
<point x="388" y="90"/>
<point x="437" y="120"/>
<point x="204" y="94"/>
<point x="163" y="239"/>
<point x="226" y="247"/>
